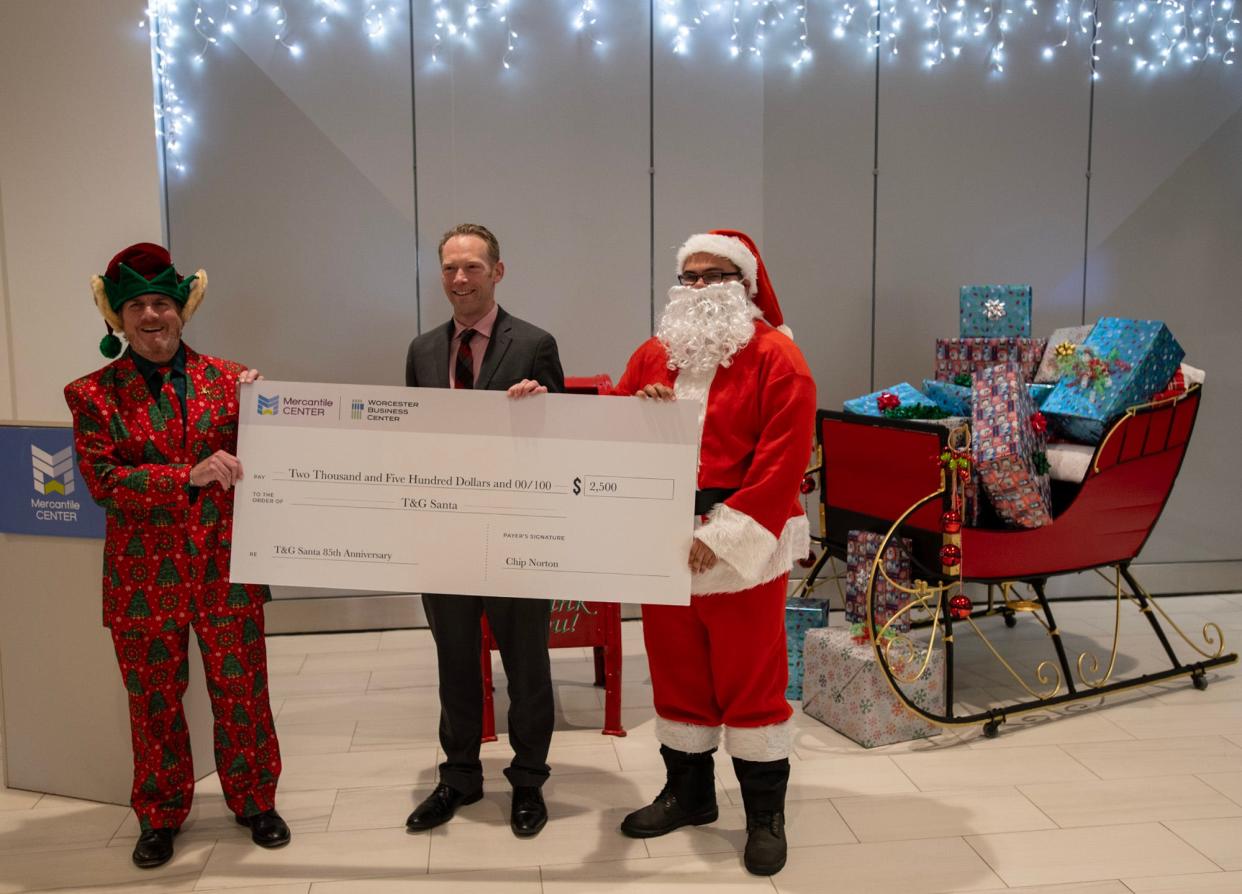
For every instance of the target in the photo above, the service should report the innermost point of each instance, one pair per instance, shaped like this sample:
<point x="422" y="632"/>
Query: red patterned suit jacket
<point x="166" y="550"/>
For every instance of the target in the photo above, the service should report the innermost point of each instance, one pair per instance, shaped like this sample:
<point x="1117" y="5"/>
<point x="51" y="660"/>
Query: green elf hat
<point x="142" y="269"/>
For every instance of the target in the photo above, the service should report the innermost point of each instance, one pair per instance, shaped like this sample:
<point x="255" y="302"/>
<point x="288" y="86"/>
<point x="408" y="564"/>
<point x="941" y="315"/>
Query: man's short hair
<point x="468" y="229"/>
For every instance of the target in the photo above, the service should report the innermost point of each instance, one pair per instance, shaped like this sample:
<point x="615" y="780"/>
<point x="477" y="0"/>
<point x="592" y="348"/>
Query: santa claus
<point x="720" y="663"/>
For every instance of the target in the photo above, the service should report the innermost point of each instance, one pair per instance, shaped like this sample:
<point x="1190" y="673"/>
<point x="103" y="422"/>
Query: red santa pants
<point x="156" y="670"/>
<point x="721" y="662"/>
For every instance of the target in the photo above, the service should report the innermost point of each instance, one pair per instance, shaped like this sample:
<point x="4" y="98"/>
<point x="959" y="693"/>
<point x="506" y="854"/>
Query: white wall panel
<point x="708" y="114"/>
<point x="551" y="155"/>
<point x="298" y="201"/>
<point x="1146" y="128"/>
<point x="78" y="181"/>
<point x="981" y="181"/>
<point x="1164" y="245"/>
<point x="817" y="213"/>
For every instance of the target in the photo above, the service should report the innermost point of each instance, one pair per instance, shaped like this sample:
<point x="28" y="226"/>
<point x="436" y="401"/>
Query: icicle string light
<point x="1156" y="35"/>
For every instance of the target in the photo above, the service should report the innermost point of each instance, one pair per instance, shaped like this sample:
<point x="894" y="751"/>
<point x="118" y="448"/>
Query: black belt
<point x="705" y="499"/>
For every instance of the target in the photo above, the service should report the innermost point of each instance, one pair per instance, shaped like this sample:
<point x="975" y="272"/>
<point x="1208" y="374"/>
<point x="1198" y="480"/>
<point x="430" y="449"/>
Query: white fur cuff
<point x="688" y="737"/>
<point x="760" y="743"/>
<point x="749" y="554"/>
<point x="738" y="539"/>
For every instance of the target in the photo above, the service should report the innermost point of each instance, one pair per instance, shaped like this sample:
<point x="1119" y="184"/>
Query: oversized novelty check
<point x="429" y="490"/>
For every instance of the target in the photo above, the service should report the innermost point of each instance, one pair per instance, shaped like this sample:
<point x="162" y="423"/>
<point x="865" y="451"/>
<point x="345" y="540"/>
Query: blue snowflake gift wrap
<point x="906" y="393"/>
<point x="956" y="399"/>
<point x="953" y="399"/>
<point x="801" y="615"/>
<point x="1122" y="363"/>
<point x="995" y="311"/>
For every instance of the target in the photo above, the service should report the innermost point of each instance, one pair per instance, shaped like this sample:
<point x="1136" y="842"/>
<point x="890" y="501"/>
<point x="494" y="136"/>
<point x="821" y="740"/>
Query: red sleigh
<point x="880" y="475"/>
<point x="574" y="624"/>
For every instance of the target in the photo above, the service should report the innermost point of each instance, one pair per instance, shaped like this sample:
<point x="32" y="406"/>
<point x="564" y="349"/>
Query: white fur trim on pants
<point x="760" y="743"/>
<point x="749" y="554"/>
<point x="691" y="738"/>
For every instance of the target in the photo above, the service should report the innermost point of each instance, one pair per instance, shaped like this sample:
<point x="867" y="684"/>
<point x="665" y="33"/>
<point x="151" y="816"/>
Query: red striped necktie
<point x="463" y="370"/>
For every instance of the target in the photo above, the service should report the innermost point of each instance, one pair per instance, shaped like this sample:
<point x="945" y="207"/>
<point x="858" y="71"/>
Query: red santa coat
<point x="756" y="437"/>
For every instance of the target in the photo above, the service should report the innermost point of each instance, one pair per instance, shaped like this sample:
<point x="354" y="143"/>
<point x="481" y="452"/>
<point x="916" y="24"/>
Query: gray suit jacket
<point x="516" y="351"/>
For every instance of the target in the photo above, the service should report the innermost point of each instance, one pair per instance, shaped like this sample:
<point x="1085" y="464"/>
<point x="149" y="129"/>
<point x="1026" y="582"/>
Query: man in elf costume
<point x="156" y="433"/>
<point x="720" y="662"/>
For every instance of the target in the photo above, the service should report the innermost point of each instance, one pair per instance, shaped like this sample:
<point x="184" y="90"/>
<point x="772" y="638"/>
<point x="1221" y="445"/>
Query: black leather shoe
<point x="438" y="807"/>
<point x="529" y="814"/>
<point x="267" y="829"/>
<point x="765" y="842"/>
<point x="154" y="848"/>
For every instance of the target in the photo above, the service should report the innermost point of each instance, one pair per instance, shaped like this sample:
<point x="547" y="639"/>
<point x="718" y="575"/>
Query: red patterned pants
<point x="155" y="669"/>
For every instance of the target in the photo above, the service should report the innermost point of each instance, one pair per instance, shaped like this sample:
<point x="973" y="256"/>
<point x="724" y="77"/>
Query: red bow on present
<point x="887" y="401"/>
<point x="1039" y="422"/>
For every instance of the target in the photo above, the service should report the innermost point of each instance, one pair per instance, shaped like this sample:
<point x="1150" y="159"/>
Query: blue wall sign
<point x="41" y="487"/>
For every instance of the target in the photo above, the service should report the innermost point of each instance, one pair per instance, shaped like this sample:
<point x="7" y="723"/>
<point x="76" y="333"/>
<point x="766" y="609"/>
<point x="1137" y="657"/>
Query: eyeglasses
<point x="709" y="277"/>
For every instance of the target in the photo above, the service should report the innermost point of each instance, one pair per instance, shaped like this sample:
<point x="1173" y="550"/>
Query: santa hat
<point x="739" y="248"/>
<point x="142" y="269"/>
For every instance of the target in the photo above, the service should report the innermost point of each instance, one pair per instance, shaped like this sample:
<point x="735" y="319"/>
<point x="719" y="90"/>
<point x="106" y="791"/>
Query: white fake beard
<point x="702" y="329"/>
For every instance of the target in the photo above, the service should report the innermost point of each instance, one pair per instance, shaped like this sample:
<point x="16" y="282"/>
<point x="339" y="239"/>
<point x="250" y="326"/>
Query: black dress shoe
<point x="154" y="848"/>
<point x="267" y="829"/>
<point x="438" y="807"/>
<point x="529" y="813"/>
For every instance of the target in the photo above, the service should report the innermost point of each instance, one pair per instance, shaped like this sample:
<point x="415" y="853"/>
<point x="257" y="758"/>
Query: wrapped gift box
<point x="860" y="550"/>
<point x="953" y="399"/>
<point x="1039" y="394"/>
<point x="1062" y="340"/>
<point x="955" y="356"/>
<point x="801" y="615"/>
<point x="906" y="393"/>
<point x="1007" y="448"/>
<point x="995" y="311"/>
<point x="1122" y="363"/>
<point x="846" y="689"/>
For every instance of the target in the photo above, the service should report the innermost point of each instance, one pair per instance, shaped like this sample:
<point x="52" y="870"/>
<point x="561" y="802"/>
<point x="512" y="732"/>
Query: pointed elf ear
<point x="101" y="301"/>
<point x="198" y="289"/>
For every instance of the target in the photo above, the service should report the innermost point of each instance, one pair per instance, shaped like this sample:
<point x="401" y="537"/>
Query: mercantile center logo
<point x="292" y="405"/>
<point x="53" y="472"/>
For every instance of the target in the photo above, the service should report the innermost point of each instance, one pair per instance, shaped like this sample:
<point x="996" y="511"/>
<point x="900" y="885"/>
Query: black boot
<point x="687" y="799"/>
<point x="763" y="792"/>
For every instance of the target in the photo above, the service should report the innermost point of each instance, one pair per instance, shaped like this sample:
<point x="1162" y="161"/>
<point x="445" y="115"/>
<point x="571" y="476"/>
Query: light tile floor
<point x="1136" y="793"/>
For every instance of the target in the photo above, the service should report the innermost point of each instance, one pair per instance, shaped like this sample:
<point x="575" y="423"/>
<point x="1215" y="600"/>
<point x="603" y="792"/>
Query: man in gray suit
<point x="484" y="347"/>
